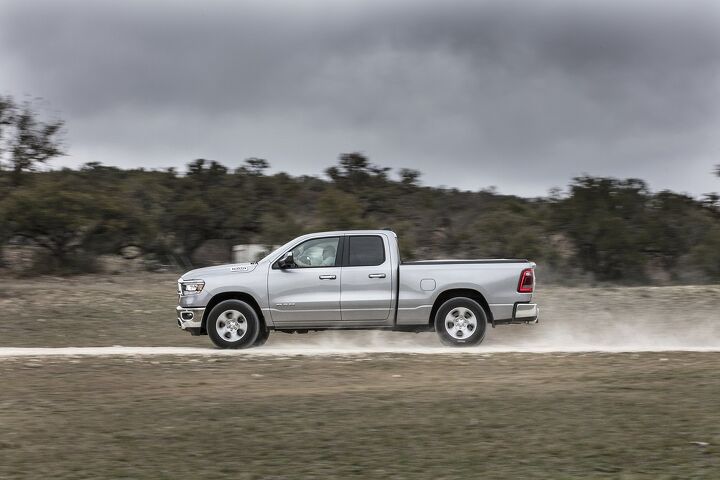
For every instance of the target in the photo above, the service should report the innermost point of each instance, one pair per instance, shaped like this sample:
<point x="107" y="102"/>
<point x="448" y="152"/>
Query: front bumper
<point x="526" y="313"/>
<point x="189" y="317"/>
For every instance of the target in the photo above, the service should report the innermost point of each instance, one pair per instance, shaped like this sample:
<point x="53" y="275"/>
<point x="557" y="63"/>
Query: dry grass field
<point x="632" y="415"/>
<point x="498" y="416"/>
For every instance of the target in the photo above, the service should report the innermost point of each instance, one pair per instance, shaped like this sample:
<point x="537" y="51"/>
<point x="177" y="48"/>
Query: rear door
<point x="366" y="287"/>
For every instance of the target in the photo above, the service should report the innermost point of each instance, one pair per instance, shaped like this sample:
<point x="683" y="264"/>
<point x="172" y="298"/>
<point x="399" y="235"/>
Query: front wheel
<point x="461" y="322"/>
<point x="262" y="337"/>
<point x="233" y="324"/>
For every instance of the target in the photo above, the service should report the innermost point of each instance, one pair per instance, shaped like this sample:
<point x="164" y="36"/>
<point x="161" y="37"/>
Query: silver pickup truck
<point x="354" y="280"/>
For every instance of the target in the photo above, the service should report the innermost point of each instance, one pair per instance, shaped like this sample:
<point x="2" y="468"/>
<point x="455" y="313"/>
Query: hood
<point x="201" y="273"/>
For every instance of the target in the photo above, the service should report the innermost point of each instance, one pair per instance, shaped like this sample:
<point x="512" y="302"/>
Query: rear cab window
<point x="365" y="251"/>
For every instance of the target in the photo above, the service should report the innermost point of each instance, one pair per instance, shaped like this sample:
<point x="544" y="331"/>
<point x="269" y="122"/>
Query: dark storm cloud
<point x="523" y="95"/>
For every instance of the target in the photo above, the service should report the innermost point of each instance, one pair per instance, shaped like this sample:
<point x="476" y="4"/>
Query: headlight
<point x="191" y="287"/>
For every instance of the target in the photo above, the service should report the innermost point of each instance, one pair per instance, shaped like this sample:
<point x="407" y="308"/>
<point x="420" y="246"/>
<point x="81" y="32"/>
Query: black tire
<point x="463" y="336"/>
<point x="220" y="332"/>
<point x="262" y="337"/>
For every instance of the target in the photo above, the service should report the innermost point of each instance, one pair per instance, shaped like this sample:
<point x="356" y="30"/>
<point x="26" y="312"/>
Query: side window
<point x="366" y="251"/>
<point x="318" y="252"/>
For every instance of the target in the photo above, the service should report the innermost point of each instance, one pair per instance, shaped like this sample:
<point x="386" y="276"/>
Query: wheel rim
<point x="231" y="325"/>
<point x="460" y="323"/>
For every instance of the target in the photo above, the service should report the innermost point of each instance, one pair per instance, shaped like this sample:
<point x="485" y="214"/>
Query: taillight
<point x="527" y="281"/>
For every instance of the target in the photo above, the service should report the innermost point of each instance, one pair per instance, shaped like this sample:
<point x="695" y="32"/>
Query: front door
<point x="367" y="280"/>
<point x="308" y="293"/>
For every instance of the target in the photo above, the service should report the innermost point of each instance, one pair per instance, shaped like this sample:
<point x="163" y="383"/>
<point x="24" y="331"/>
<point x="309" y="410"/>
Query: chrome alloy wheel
<point x="231" y="325"/>
<point x="460" y="323"/>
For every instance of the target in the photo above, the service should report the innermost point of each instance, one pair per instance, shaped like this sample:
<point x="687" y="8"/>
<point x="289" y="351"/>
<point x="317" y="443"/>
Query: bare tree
<point x="25" y="141"/>
<point x="35" y="142"/>
<point x="7" y="115"/>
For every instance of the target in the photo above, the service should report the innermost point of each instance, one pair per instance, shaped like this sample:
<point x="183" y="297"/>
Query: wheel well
<point x="221" y="297"/>
<point x="460" y="292"/>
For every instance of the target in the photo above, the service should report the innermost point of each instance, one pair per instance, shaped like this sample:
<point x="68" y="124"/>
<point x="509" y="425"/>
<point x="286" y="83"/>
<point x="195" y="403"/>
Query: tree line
<point x="604" y="229"/>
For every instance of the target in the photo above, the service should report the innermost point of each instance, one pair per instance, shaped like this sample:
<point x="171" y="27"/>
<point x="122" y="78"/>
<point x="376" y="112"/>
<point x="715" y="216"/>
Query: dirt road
<point x="309" y="350"/>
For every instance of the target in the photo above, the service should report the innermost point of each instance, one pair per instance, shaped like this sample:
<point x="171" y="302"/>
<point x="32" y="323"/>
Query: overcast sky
<point x="522" y="95"/>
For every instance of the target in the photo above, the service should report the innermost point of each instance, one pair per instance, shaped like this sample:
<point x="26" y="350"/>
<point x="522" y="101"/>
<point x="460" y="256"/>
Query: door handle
<point x="376" y="275"/>
<point x="327" y="277"/>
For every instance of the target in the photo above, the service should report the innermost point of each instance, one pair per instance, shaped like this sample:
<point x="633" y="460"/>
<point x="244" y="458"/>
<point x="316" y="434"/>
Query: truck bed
<point x="420" y="283"/>
<point x="454" y="262"/>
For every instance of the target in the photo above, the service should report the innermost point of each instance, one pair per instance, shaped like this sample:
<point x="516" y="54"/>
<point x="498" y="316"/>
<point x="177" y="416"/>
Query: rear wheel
<point x="233" y="324"/>
<point x="461" y="322"/>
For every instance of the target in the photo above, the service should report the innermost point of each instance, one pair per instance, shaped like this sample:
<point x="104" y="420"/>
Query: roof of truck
<point x="354" y="232"/>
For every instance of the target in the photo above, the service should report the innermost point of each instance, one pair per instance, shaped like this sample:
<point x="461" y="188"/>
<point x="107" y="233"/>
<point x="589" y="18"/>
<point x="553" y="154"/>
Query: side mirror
<point x="286" y="261"/>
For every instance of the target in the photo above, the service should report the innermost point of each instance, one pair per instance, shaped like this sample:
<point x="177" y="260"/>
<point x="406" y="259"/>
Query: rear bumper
<point x="520" y="313"/>
<point x="189" y="317"/>
<point x="526" y="313"/>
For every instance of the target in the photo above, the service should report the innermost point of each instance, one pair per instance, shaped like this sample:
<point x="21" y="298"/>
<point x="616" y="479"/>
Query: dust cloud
<point x="610" y="319"/>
